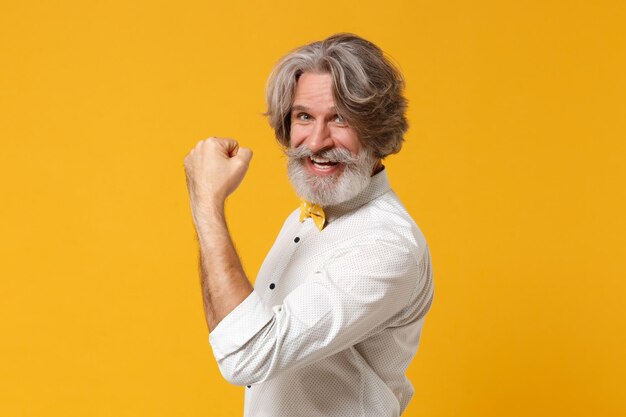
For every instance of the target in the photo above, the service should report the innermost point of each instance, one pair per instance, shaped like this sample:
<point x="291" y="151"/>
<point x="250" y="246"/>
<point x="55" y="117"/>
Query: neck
<point x="378" y="167"/>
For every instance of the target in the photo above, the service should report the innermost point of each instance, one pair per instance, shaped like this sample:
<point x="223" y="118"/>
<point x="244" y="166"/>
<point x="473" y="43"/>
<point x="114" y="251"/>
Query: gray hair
<point x="367" y="89"/>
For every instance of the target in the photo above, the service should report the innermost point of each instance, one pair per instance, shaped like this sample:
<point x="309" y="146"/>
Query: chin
<point x="328" y="188"/>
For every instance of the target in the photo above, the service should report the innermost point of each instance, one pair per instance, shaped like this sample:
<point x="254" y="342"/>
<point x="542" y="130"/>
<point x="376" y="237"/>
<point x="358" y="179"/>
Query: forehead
<point x="314" y="89"/>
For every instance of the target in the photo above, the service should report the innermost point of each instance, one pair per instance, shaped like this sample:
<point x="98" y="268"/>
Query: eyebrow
<point x="299" y="107"/>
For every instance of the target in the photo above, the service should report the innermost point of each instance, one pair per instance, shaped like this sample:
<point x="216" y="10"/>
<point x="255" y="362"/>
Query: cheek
<point x="349" y="140"/>
<point x="296" y="136"/>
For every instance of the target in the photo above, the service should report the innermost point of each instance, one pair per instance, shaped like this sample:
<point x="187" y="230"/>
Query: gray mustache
<point x="336" y="154"/>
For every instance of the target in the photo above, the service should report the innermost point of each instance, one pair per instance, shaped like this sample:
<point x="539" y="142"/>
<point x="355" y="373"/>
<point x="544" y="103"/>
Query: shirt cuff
<point x="239" y="326"/>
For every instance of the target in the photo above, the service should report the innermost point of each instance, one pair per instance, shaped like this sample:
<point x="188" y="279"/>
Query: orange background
<point x="513" y="168"/>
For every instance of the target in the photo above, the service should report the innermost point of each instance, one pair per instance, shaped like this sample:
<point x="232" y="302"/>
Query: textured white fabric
<point x="335" y="317"/>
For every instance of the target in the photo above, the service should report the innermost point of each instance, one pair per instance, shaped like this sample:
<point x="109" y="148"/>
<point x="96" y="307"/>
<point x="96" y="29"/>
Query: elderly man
<point x="337" y="309"/>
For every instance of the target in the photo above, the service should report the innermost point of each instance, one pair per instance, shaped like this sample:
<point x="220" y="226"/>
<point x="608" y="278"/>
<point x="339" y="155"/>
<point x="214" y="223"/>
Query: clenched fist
<point x="214" y="169"/>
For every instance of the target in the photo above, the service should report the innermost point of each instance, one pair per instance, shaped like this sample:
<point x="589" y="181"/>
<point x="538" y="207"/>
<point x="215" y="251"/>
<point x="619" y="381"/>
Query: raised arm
<point x="214" y="168"/>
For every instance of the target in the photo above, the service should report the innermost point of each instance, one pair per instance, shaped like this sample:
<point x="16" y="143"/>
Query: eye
<point x="303" y="116"/>
<point x="339" y="120"/>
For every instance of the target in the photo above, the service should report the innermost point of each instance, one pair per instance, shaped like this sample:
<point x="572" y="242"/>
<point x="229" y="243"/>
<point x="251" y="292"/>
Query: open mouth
<point x="323" y="163"/>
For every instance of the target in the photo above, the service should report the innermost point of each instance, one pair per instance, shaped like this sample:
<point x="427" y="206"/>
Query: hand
<point x="214" y="168"/>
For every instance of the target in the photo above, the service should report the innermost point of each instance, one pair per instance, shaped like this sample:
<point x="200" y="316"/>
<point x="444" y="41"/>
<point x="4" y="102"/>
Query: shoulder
<point x="383" y="221"/>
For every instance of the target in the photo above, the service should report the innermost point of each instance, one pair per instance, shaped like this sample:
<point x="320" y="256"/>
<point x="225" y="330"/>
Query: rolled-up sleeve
<point x="335" y="307"/>
<point x="239" y="326"/>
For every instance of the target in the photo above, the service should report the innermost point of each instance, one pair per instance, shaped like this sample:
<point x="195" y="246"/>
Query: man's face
<point x="327" y="163"/>
<point x="316" y="124"/>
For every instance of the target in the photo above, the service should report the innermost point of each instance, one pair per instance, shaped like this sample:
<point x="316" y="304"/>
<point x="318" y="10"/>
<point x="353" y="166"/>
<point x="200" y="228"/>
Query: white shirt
<point x="335" y="316"/>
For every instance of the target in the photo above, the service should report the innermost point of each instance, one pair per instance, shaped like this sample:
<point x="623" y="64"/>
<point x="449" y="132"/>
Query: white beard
<point x="330" y="190"/>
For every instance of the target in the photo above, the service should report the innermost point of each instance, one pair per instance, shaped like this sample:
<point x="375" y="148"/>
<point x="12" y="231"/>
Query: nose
<point x="320" y="137"/>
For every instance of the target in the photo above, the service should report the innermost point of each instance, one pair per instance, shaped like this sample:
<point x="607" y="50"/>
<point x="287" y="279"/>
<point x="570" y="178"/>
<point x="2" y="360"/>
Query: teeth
<point x="323" y="167"/>
<point x="320" y="160"/>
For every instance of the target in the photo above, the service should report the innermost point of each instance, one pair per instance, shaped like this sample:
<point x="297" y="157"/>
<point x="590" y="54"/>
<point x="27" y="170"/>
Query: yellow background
<point x="513" y="168"/>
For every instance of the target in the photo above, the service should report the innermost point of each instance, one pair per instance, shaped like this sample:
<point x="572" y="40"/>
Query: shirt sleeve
<point x="353" y="293"/>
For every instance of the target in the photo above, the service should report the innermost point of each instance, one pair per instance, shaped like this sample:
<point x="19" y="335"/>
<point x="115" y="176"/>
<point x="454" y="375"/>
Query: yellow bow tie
<point x="313" y="211"/>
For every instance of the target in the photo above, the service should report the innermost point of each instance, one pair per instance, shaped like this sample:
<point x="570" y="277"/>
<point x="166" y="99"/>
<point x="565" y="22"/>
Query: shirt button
<point x="297" y="239"/>
<point x="272" y="286"/>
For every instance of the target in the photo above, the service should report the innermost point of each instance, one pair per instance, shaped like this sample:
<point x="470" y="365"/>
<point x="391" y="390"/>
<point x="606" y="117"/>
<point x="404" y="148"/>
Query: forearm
<point x="223" y="280"/>
<point x="214" y="169"/>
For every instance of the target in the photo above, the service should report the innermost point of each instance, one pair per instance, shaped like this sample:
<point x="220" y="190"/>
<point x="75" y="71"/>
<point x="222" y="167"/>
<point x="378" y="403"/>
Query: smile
<point x="322" y="163"/>
<point x="322" y="166"/>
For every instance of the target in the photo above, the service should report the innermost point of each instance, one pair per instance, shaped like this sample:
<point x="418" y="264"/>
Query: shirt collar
<point x="379" y="185"/>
